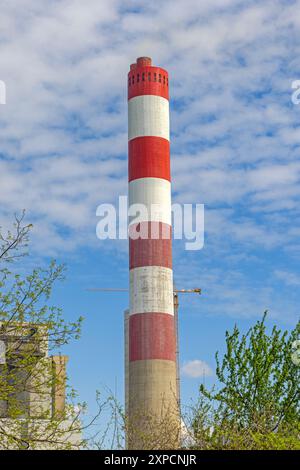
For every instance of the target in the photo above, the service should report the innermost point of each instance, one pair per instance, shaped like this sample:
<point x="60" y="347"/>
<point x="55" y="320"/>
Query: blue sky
<point x="235" y="147"/>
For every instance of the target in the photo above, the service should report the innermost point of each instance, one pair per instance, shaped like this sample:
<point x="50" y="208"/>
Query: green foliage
<point x="13" y="242"/>
<point x="24" y="298"/>
<point x="256" y="405"/>
<point x="30" y="327"/>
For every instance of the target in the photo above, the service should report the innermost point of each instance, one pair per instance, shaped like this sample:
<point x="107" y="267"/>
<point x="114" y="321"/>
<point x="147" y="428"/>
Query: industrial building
<point x="152" y="393"/>
<point x="32" y="392"/>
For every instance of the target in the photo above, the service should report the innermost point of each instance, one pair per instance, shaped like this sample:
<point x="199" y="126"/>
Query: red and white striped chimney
<point x="152" y="348"/>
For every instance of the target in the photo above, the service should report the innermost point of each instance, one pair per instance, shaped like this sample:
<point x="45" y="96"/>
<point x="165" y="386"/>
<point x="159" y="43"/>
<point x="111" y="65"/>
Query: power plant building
<point x="32" y="392"/>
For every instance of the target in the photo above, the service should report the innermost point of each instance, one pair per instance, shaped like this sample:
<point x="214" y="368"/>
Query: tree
<point x="256" y="405"/>
<point x="30" y="327"/>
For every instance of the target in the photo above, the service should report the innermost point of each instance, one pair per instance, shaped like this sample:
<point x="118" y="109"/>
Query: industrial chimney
<point x="152" y="396"/>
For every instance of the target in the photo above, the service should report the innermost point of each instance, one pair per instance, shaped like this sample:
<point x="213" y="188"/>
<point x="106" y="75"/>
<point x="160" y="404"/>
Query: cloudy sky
<point x="235" y="148"/>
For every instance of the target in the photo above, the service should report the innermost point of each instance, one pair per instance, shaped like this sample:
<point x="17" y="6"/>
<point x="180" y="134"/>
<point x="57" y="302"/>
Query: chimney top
<point x="143" y="61"/>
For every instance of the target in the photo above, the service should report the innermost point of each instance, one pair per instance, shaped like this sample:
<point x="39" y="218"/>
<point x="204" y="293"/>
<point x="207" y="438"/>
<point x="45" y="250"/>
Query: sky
<point x="235" y="138"/>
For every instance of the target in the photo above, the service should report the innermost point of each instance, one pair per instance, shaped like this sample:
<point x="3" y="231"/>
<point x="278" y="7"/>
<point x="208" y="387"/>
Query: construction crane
<point x="108" y="289"/>
<point x="176" y="307"/>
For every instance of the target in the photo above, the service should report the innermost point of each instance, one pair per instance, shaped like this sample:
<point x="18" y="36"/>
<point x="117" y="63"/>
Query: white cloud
<point x="196" y="369"/>
<point x="234" y="130"/>
<point x="235" y="133"/>
<point x="289" y="278"/>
